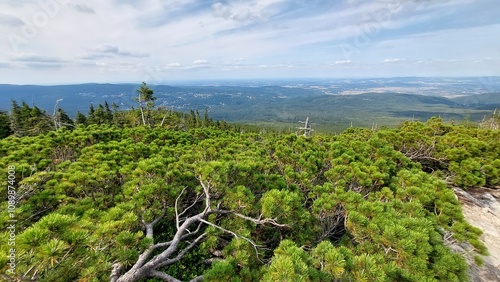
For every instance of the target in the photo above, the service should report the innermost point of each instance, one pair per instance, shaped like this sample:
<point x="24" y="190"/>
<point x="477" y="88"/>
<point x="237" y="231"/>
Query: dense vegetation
<point x="152" y="194"/>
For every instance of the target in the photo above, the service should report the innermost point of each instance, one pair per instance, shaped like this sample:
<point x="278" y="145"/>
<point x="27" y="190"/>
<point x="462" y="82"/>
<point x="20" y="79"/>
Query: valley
<point x="332" y="104"/>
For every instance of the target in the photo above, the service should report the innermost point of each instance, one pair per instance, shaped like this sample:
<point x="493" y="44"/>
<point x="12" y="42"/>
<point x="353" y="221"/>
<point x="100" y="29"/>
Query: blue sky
<point x="73" y="41"/>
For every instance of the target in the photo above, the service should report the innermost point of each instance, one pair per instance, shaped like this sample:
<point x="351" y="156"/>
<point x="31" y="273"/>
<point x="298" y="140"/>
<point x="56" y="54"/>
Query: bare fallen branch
<point x="148" y="265"/>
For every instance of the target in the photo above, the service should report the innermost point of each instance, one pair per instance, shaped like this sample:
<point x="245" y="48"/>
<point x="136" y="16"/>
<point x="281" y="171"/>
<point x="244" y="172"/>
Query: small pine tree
<point x="91" y="118"/>
<point x="100" y="115"/>
<point x="108" y="113"/>
<point x="27" y="121"/>
<point x="64" y="118"/>
<point x="4" y="125"/>
<point x="80" y="118"/>
<point x="146" y="103"/>
<point x="15" y="117"/>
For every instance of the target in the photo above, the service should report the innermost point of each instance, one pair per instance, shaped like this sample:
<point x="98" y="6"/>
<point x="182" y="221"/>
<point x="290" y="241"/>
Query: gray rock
<point x="481" y="208"/>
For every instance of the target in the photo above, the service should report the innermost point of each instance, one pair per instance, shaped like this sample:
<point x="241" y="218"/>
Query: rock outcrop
<point x="481" y="208"/>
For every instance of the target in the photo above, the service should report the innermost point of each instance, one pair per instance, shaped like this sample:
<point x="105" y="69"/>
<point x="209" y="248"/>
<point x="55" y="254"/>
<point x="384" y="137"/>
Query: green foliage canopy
<point x="360" y="206"/>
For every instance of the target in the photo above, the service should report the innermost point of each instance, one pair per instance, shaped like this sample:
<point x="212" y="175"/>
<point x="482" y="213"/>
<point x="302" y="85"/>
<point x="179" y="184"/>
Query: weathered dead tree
<point x="307" y="129"/>
<point x="55" y="116"/>
<point x="189" y="227"/>
<point x="141" y="107"/>
<point x="492" y="123"/>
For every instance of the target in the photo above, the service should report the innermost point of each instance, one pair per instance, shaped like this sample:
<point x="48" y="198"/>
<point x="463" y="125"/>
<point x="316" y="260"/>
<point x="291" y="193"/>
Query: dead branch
<point x="254" y="245"/>
<point x="147" y="265"/>
<point x="258" y="221"/>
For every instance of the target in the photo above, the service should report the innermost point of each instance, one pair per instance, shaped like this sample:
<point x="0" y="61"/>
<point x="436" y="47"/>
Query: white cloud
<point x="37" y="65"/>
<point x="10" y="21"/>
<point x="107" y="48"/>
<point x="253" y="38"/>
<point x="82" y="8"/>
<point x="110" y="50"/>
<point x="392" y="60"/>
<point x="174" y="65"/>
<point x="245" y="11"/>
<point x="343" y="62"/>
<point x="28" y="57"/>
<point x="200" y="62"/>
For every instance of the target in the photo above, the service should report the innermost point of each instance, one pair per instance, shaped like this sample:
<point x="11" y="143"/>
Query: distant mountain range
<point x="326" y="102"/>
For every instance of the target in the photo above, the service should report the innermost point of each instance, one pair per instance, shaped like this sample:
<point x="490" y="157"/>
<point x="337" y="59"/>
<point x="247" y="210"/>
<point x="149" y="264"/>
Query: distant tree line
<point x="25" y="120"/>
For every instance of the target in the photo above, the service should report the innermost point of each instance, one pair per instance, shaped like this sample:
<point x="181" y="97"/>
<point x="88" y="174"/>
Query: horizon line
<point x="215" y="80"/>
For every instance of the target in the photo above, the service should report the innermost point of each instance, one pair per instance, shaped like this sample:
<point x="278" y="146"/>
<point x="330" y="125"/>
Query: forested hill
<point x="78" y="97"/>
<point x="175" y="200"/>
<point x="358" y="103"/>
<point x="485" y="101"/>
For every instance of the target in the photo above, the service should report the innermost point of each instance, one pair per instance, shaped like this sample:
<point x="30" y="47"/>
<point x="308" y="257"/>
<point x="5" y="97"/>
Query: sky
<point x="110" y="41"/>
